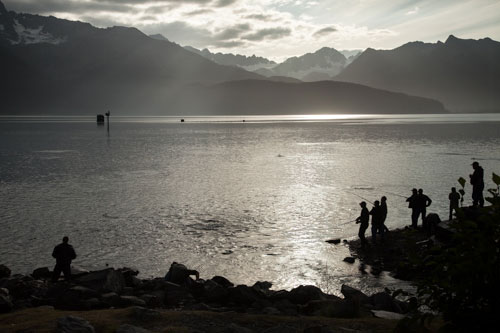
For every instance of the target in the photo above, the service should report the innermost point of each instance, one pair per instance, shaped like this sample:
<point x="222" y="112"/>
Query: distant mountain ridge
<point x="322" y="64"/>
<point x="55" y="66"/>
<point x="463" y="74"/>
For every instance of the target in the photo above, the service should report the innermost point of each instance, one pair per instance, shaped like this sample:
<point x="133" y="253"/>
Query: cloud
<point x="260" y="17"/>
<point x="414" y="11"/>
<point x="199" y="12"/>
<point x="325" y="31"/>
<point x="233" y="32"/>
<point x="268" y="33"/>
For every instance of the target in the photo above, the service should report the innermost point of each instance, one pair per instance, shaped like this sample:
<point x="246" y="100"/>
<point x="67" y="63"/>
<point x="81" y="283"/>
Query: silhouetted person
<point x="179" y="274"/>
<point x="423" y="202"/>
<point x="477" y="181"/>
<point x="364" y="220"/>
<point x="63" y="253"/>
<point x="412" y="203"/>
<point x="376" y="214"/>
<point x="383" y="207"/>
<point x="454" y="197"/>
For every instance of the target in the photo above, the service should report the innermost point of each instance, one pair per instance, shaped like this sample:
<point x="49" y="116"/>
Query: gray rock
<point x="384" y="301"/>
<point x="5" y="304"/>
<point x="4" y="291"/>
<point x="111" y="299"/>
<point x="72" y="324"/>
<point x="131" y="300"/>
<point x="337" y="308"/>
<point x="152" y="300"/>
<point x="41" y="273"/>
<point x="4" y="271"/>
<point x="349" y="260"/>
<point x="105" y="280"/>
<point x="126" y="328"/>
<point x="243" y="295"/>
<point x="222" y="281"/>
<point x="387" y="315"/>
<point x="304" y="294"/>
<point x="354" y="294"/>
<point x="84" y="292"/>
<point x="176" y="295"/>
<point x="144" y="314"/>
<point x="213" y="292"/>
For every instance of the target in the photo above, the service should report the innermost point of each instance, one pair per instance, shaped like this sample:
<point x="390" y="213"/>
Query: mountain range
<point x="464" y="74"/>
<point x="51" y="66"/>
<point x="321" y="65"/>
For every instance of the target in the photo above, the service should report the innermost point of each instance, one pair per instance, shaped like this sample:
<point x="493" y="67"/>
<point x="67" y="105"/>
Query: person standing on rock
<point x="477" y="182"/>
<point x="423" y="202"/>
<point x="383" y="207"/>
<point x="376" y="214"/>
<point x="454" y="197"/>
<point x="412" y="204"/>
<point x="364" y="220"/>
<point x="63" y="253"/>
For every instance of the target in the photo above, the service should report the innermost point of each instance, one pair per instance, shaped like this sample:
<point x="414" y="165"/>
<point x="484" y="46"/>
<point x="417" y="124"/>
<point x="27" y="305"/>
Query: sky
<point x="278" y="29"/>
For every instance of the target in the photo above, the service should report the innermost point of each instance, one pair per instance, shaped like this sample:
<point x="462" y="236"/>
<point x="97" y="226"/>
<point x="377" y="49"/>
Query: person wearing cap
<point x="377" y="216"/>
<point x="364" y="220"/>
<point x="477" y="181"/>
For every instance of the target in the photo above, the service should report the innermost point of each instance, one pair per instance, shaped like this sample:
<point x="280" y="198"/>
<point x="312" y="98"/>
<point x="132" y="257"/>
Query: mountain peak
<point x="451" y="39"/>
<point x="159" y="37"/>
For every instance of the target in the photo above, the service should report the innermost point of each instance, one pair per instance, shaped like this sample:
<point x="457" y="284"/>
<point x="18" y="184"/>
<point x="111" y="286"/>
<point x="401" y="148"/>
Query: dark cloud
<point x="269" y="33"/>
<point x="66" y="6"/>
<point x="233" y="32"/>
<point x="325" y="31"/>
<point x="227" y="44"/>
<point x="224" y="3"/>
<point x="199" y="12"/>
<point x="260" y="17"/>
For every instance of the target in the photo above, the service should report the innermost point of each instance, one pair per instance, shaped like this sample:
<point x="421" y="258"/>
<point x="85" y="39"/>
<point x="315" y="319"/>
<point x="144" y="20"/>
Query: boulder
<point x="213" y="292"/>
<point x="84" y="292"/>
<point x="72" y="324"/>
<point x="304" y="294"/>
<point x="41" y="273"/>
<point x="334" y="241"/>
<point x="286" y="307"/>
<point x="384" y="301"/>
<point x="4" y="272"/>
<point x="354" y="294"/>
<point x="152" y="301"/>
<point x="222" y="281"/>
<point x="337" y="308"/>
<point x="129" y="274"/>
<point x="111" y="299"/>
<point x="243" y="295"/>
<point x="387" y="315"/>
<point x="23" y="287"/>
<point x="126" y="328"/>
<point x="143" y="314"/>
<point x="126" y="301"/>
<point x="107" y="280"/>
<point x="5" y="304"/>
<point x="176" y="295"/>
<point x="349" y="260"/>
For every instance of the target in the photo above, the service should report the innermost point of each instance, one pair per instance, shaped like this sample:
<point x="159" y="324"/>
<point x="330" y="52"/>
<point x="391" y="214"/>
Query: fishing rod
<point x="365" y="199"/>
<point x="396" y="194"/>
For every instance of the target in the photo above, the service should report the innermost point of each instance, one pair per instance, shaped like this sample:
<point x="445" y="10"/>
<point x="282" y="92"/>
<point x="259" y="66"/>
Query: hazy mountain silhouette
<point x="51" y="66"/>
<point x="463" y="74"/>
<point x="320" y="65"/>
<point x="267" y="97"/>
<point x="251" y="63"/>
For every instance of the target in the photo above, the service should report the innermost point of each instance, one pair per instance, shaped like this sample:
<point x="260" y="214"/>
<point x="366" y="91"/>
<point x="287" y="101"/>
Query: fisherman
<point x="364" y="220"/>
<point x="383" y="207"/>
<point x="454" y="198"/>
<point x="63" y="253"/>
<point x="423" y="202"/>
<point x="412" y="203"/>
<point x="180" y="274"/>
<point x="477" y="181"/>
<point x="376" y="214"/>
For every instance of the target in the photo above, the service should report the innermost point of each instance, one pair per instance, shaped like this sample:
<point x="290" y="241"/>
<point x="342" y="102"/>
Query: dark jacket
<point x="64" y="253"/>
<point x="476" y="179"/>
<point x="423" y="201"/>
<point x="364" y="218"/>
<point x="412" y="201"/>
<point x="377" y="217"/>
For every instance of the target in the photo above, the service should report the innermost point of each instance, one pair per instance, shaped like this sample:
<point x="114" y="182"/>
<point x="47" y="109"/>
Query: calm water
<point x="249" y="201"/>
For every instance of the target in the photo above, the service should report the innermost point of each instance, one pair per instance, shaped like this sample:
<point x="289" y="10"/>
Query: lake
<point x="248" y="198"/>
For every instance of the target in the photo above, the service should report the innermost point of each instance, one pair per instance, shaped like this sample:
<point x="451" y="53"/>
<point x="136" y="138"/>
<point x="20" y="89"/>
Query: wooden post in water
<point x="107" y="118"/>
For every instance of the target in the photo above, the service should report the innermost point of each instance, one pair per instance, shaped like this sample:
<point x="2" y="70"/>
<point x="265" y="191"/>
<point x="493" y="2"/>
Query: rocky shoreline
<point x="121" y="288"/>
